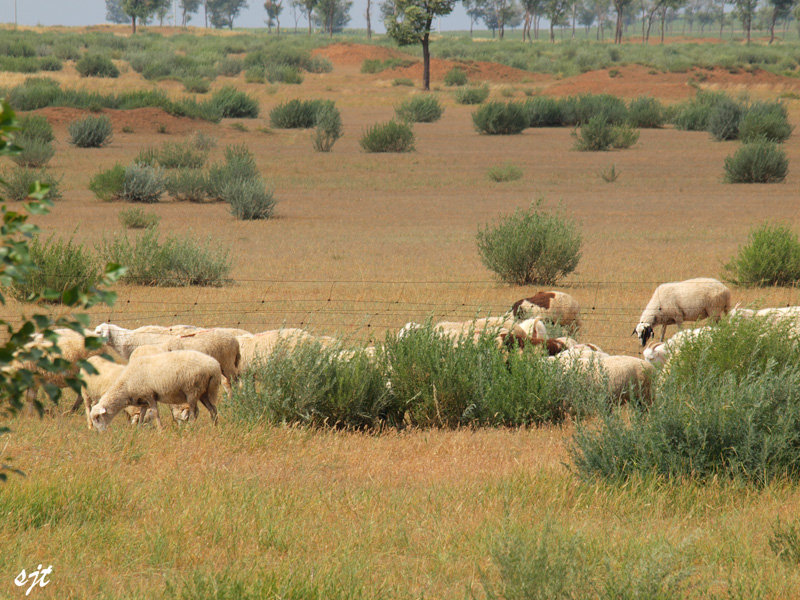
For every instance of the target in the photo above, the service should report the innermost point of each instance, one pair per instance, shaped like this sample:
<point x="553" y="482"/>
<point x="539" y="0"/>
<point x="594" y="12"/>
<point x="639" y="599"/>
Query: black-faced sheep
<point x="183" y="376"/>
<point x="679" y="301"/>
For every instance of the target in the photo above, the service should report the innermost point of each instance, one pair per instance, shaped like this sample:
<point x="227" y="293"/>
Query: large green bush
<point x="770" y="257"/>
<point x="455" y="77"/>
<point x="530" y="247"/>
<point x="142" y="183"/>
<point x="35" y="152"/>
<point x="18" y="182"/>
<point x="645" y="112"/>
<point x="231" y="103"/>
<point x="297" y="114"/>
<point x="420" y="109"/>
<point x="90" y="132"/>
<point x="249" y="199"/>
<point x="189" y="185"/>
<point x="761" y="161"/>
<point x="765" y="120"/>
<point x="471" y="95"/>
<point x="329" y="128"/>
<point x="96" y="65"/>
<point x="543" y="111"/>
<point x="239" y="165"/>
<point x="500" y="118"/>
<point x="35" y="127"/>
<point x="728" y="406"/>
<point x="578" y="110"/>
<point x="388" y="137"/>
<point x="723" y="120"/>
<point x="107" y="185"/>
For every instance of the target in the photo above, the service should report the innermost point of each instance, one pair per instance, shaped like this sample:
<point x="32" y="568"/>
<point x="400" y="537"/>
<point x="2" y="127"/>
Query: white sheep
<point x="261" y="345"/>
<point x="553" y="306"/>
<point x="622" y="372"/>
<point x="659" y="353"/>
<point x="183" y="376"/>
<point x="680" y="301"/>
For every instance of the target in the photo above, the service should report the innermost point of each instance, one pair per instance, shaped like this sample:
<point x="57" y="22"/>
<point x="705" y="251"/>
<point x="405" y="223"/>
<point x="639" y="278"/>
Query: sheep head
<point x="100" y="417"/>
<point x="644" y="331"/>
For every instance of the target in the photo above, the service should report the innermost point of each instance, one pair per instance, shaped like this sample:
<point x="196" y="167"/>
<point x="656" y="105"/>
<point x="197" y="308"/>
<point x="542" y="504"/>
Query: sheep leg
<point x="153" y="405"/>
<point x="88" y="406"/>
<point x="212" y="410"/>
<point x="77" y="404"/>
<point x="664" y="331"/>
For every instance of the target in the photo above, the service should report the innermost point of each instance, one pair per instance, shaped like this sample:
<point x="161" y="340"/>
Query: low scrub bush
<point x="60" y="264"/>
<point x="249" y="199"/>
<point x="579" y="110"/>
<point x="388" y="137"/>
<point x="376" y="65"/>
<point x="96" y="65"/>
<point x="404" y="81"/>
<point x="177" y="262"/>
<point x="757" y="162"/>
<point x="723" y="121"/>
<point x="500" y="118"/>
<point x="107" y="185"/>
<point x="420" y="109"/>
<point x="203" y="141"/>
<point x="728" y="407"/>
<point x="596" y="135"/>
<point x="455" y="77"/>
<point x="770" y="257"/>
<point x="91" y="132"/>
<point x="543" y="111"/>
<point x="530" y="247"/>
<point x="34" y="127"/>
<point x="694" y="114"/>
<point x="147" y="157"/>
<point x="231" y="103"/>
<point x="284" y="74"/>
<point x="187" y="185"/>
<point x="329" y="128"/>
<point x="645" y="112"/>
<point x="229" y="67"/>
<point x="35" y="152"/>
<point x="19" y="181"/>
<point x="312" y="385"/>
<point x="505" y="172"/>
<point x="765" y="120"/>
<point x="181" y="156"/>
<point x="318" y="64"/>
<point x="625" y="136"/>
<point x="138" y="218"/>
<point x="239" y="165"/>
<point x="142" y="183"/>
<point x="255" y="75"/>
<point x="196" y="85"/>
<point x="296" y="114"/>
<point x="472" y="95"/>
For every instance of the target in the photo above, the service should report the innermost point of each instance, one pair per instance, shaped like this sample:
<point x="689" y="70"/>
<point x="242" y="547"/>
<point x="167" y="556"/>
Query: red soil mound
<point x="140" y="120"/>
<point x="476" y="71"/>
<point x="635" y="80"/>
<point x="355" y="54"/>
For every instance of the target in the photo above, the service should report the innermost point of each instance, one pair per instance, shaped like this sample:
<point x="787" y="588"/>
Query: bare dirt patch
<point x="475" y="70"/>
<point x="141" y="120"/>
<point x="355" y="54"/>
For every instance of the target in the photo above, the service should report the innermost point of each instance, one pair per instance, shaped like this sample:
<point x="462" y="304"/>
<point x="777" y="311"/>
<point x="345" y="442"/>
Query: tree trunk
<point x="574" y="9"/>
<point x="133" y="24"/>
<point x="722" y="20"/>
<point x="772" y="26"/>
<point x="330" y="19"/>
<point x="663" y="22"/>
<point x="369" y="23"/>
<point x="552" y="33"/>
<point x="426" y="58"/>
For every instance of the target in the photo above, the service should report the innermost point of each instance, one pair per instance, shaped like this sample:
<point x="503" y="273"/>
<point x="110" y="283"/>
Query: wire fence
<point x="366" y="309"/>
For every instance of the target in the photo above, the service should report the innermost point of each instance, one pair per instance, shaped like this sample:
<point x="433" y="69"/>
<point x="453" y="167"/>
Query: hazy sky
<point x="93" y="12"/>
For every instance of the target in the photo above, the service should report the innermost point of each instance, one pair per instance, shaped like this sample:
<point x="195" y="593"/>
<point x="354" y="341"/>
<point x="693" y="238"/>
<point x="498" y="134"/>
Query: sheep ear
<point x="634" y="331"/>
<point x="101" y="411"/>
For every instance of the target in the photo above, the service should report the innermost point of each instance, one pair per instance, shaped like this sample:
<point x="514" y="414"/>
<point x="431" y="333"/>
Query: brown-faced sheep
<point x="182" y="376"/>
<point x="553" y="306"/>
<point x="679" y="301"/>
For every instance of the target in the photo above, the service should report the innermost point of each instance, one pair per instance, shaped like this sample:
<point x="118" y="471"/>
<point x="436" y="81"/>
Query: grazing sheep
<point x="518" y="339"/>
<point x="217" y="344"/>
<point x="182" y="376"/>
<point x="125" y="341"/>
<point x="264" y="343"/>
<point x="658" y="353"/>
<point x="581" y="351"/>
<point x="623" y="372"/>
<point x="680" y="301"/>
<point x="553" y="306"/>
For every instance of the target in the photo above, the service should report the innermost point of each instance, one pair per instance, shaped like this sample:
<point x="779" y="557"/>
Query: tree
<point x="162" y="10"/>
<point x="780" y="9"/>
<point x="114" y="12"/>
<point x="619" y="7"/>
<point x="332" y="15"/>
<point x="555" y="10"/>
<point x="223" y="12"/>
<point x="140" y="9"/>
<point x="308" y="6"/>
<point x="274" y="9"/>
<point x="367" y="16"/>
<point x="745" y="10"/>
<point x="411" y="24"/>
<point x="15" y="266"/>
<point x="188" y="7"/>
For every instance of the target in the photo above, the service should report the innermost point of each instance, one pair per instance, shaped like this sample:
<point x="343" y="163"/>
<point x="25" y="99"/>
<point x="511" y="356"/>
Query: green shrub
<point x="375" y="65"/>
<point x="694" y="114"/>
<point x="177" y="262"/>
<point x="255" y="75"/>
<point x="402" y="81"/>
<point x="727" y="407"/>
<point x="35" y="153"/>
<point x="18" y="182"/>
<point x="596" y="135"/>
<point x="61" y="264"/>
<point x="91" y="132"/>
<point x="530" y="247"/>
<point x="181" y="156"/>
<point x="296" y="114"/>
<point x="137" y="218"/>
<point x="723" y="121"/>
<point x="196" y="85"/>
<point x="784" y="541"/>
<point x="329" y="128"/>
<point x="645" y="112"/>
<point x="147" y="157"/>
<point x="505" y="172"/>
<point x="284" y="74"/>
<point x="35" y="127"/>
<point x="202" y="141"/>
<point x="499" y="118"/>
<point x="316" y="386"/>
<point x="420" y="109"/>
<point x="96" y="65"/>
<point x="388" y="137"/>
<point x="625" y="136"/>
<point x="229" y="67"/>
<point x="543" y="111"/>
<point x="34" y="93"/>
<point x="239" y="165"/>
<point x="757" y="162"/>
<point x="455" y="77"/>
<point x="579" y="110"/>
<point x="66" y="51"/>
<point x="249" y="199"/>
<point x="765" y="120"/>
<point x="472" y="95"/>
<point x="187" y="185"/>
<point x="107" y="185"/>
<point x="142" y="183"/>
<point x="770" y="257"/>
<point x="234" y="104"/>
<point x="318" y="64"/>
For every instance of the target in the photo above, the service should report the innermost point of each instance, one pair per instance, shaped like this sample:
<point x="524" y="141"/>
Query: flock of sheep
<point x="183" y="366"/>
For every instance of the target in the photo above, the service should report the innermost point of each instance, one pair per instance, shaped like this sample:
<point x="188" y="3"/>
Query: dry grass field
<point x="363" y="243"/>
